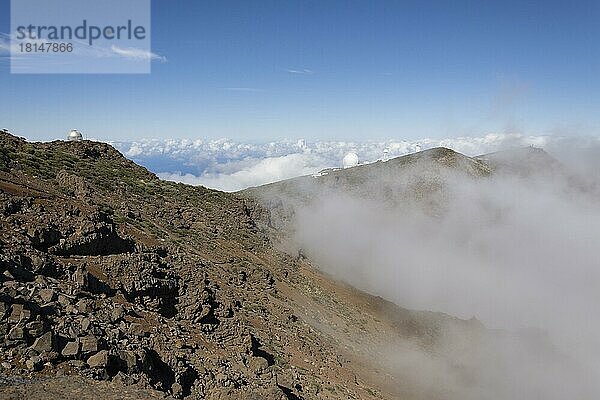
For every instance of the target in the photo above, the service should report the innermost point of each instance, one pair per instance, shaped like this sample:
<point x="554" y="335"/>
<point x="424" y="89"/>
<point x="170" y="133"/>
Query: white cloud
<point x="259" y="172"/>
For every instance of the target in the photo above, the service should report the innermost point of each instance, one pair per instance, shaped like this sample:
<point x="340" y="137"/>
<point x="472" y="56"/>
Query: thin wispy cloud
<point x="137" y="54"/>
<point x="4" y="46"/>
<point x="243" y="89"/>
<point x="9" y="43"/>
<point x="300" y="71"/>
<point x="8" y="49"/>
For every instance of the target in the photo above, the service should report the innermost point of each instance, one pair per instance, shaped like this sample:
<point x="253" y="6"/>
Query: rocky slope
<point x="115" y="283"/>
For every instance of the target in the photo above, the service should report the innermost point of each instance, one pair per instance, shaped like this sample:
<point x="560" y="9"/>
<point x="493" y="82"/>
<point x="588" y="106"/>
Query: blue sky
<point x="342" y="70"/>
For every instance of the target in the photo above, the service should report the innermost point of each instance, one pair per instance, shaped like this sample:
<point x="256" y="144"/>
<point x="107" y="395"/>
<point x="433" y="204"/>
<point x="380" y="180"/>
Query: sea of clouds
<point x="232" y="165"/>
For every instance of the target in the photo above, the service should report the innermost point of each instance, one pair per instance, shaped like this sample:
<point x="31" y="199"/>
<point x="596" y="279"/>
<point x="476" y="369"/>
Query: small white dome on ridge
<point x="350" y="160"/>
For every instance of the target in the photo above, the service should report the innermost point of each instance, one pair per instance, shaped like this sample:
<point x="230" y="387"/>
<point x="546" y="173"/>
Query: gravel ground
<point x="71" y="388"/>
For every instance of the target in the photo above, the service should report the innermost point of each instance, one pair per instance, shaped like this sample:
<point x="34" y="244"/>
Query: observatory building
<point x="350" y="160"/>
<point x="74" y="136"/>
<point x="386" y="154"/>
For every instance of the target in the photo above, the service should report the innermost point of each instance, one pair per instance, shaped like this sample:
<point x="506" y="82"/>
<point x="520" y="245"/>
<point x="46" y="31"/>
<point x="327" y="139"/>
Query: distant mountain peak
<point x="523" y="150"/>
<point x="523" y="161"/>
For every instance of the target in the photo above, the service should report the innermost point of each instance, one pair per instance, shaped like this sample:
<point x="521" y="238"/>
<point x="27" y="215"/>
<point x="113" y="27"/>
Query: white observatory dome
<point x="74" y="136"/>
<point x="386" y="154"/>
<point x="350" y="160"/>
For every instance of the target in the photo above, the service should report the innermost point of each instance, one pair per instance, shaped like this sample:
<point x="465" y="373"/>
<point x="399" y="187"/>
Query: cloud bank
<point x="520" y="253"/>
<point x="229" y="165"/>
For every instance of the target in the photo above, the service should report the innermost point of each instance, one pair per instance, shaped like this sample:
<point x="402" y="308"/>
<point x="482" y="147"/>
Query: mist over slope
<point x="510" y="238"/>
